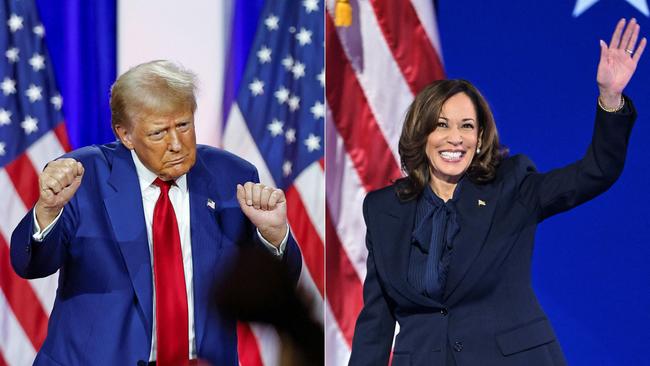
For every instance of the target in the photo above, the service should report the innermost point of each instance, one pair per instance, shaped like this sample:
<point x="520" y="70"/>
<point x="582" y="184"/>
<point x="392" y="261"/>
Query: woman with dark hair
<point x="450" y="244"/>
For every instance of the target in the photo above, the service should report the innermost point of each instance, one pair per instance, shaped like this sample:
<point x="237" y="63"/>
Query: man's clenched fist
<point x="266" y="207"/>
<point x="56" y="185"/>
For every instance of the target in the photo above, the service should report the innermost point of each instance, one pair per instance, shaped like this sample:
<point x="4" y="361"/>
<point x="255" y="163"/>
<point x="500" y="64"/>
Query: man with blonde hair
<point x="140" y="227"/>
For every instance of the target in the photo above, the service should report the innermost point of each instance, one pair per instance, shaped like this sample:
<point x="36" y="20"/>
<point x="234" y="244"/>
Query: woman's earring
<point x="478" y="150"/>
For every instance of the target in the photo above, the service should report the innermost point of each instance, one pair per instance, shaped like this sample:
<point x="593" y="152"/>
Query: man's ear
<point x="124" y="134"/>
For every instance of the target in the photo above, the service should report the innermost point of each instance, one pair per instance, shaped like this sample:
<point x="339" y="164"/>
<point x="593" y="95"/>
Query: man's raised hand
<point x="56" y="185"/>
<point x="266" y="207"/>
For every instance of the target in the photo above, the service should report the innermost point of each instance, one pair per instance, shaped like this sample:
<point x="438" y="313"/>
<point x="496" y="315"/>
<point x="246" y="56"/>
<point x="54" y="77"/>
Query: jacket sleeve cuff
<point x="39" y="235"/>
<point x="276" y="251"/>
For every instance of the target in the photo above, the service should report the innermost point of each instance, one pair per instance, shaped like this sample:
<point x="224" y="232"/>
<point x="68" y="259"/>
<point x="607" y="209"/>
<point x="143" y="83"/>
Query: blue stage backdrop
<point x="535" y="62"/>
<point x="81" y="39"/>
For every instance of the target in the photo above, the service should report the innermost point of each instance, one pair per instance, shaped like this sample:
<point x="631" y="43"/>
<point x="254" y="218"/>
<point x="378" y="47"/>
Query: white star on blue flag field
<point x="283" y="101"/>
<point x="30" y="103"/>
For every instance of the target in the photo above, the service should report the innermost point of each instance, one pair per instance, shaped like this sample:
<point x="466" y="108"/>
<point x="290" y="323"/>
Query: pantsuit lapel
<point x="393" y="248"/>
<point x="476" y="207"/>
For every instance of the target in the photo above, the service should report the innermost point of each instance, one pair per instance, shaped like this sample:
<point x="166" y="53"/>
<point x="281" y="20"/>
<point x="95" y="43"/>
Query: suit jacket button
<point x="28" y="249"/>
<point x="444" y="311"/>
<point x="458" y="346"/>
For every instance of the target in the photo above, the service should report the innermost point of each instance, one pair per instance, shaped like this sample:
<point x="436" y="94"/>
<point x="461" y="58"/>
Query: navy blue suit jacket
<point x="103" y="309"/>
<point x="489" y="314"/>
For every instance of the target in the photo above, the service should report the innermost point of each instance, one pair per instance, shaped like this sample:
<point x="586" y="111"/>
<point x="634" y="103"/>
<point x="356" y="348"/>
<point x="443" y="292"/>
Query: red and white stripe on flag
<point x="259" y="345"/>
<point x="24" y="305"/>
<point x="374" y="68"/>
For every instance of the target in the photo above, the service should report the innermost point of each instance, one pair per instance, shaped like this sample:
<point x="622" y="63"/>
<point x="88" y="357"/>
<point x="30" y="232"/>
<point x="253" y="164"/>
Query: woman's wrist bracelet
<point x="611" y="110"/>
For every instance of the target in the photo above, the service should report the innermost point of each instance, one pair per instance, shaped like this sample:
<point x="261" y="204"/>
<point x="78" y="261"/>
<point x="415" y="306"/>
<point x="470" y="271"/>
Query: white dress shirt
<point x="179" y="196"/>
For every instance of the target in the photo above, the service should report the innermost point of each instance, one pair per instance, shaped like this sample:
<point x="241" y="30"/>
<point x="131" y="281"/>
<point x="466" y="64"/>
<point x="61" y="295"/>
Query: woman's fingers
<point x="639" y="50"/>
<point x="616" y="37"/>
<point x="632" y="41"/>
<point x="627" y="34"/>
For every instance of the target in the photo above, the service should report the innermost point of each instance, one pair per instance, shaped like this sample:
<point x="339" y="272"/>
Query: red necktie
<point x="169" y="278"/>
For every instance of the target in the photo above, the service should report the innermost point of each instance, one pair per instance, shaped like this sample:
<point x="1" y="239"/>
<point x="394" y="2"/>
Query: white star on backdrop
<point x="8" y="86"/>
<point x="584" y="5"/>
<point x="310" y="5"/>
<point x="287" y="168"/>
<point x="298" y="70"/>
<point x="321" y="78"/>
<point x="12" y="54"/>
<point x="39" y="30"/>
<point x="275" y="127"/>
<point x="33" y="93"/>
<point x="294" y="103"/>
<point x="57" y="101"/>
<point x="264" y="55"/>
<point x="37" y="61"/>
<point x="287" y="62"/>
<point x="256" y="87"/>
<point x="30" y="124"/>
<point x="290" y="136"/>
<point x="312" y="142"/>
<point x="318" y="110"/>
<point x="15" y="23"/>
<point x="282" y="94"/>
<point x="304" y="36"/>
<point x="2" y="148"/>
<point x="271" y="22"/>
<point x="5" y="117"/>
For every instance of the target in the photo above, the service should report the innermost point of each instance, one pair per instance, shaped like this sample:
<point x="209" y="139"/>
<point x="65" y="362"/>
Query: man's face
<point x="165" y="143"/>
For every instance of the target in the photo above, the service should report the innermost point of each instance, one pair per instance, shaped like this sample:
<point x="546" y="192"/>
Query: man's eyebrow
<point x="157" y="124"/>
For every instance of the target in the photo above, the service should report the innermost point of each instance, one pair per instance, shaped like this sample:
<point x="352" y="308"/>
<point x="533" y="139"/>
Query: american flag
<point x="374" y="69"/>
<point x="32" y="133"/>
<point x="277" y="123"/>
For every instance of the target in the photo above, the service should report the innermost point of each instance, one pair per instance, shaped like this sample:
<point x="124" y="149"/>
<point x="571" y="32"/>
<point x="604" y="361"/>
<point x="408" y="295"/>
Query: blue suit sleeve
<point x="373" y="334"/>
<point x="31" y="259"/>
<point x="292" y="259"/>
<point x="562" y="189"/>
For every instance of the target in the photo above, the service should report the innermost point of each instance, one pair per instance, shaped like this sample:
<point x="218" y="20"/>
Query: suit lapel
<point x="206" y="243"/>
<point x="393" y="248"/>
<point x="124" y="206"/>
<point x="476" y="206"/>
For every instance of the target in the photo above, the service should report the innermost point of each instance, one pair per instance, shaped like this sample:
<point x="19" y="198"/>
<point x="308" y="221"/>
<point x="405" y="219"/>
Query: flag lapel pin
<point x="481" y="203"/>
<point x="211" y="204"/>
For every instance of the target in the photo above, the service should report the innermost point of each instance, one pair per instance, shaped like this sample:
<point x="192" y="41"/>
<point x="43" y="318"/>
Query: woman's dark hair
<point x="422" y="118"/>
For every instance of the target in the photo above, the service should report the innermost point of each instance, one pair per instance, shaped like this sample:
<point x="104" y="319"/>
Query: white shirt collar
<point x="146" y="176"/>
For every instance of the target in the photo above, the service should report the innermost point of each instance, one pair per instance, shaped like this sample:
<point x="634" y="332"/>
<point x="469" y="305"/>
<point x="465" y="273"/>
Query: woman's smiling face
<point x="451" y="146"/>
